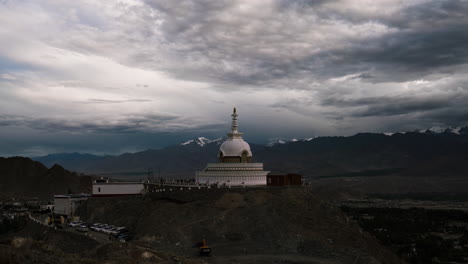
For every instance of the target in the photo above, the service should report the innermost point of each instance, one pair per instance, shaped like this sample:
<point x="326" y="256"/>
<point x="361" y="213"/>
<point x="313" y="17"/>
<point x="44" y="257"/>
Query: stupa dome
<point x="235" y="149"/>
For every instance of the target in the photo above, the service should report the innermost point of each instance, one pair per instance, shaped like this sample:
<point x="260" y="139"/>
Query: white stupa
<point x="234" y="167"/>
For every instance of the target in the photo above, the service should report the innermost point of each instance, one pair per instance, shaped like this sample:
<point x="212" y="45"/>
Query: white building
<point x="235" y="167"/>
<point x="68" y="203"/>
<point x="104" y="187"/>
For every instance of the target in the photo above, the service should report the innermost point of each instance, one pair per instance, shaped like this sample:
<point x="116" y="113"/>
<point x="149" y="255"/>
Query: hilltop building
<point x="235" y="166"/>
<point x="105" y="188"/>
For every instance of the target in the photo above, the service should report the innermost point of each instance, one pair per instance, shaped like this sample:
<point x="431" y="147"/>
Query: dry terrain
<point x="265" y="225"/>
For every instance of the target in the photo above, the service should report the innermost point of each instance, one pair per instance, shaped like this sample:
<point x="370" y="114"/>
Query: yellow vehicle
<point x="204" y="249"/>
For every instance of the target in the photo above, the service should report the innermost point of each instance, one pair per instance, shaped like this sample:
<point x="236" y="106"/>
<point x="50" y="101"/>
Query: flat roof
<point x="107" y="183"/>
<point x="81" y="195"/>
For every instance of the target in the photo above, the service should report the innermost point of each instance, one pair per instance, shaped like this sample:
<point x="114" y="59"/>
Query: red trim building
<point x="282" y="179"/>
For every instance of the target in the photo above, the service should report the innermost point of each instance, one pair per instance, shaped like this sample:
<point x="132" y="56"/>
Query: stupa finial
<point x="234" y="121"/>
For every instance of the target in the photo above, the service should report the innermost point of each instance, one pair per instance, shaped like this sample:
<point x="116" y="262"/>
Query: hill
<point x="264" y="225"/>
<point x="21" y="176"/>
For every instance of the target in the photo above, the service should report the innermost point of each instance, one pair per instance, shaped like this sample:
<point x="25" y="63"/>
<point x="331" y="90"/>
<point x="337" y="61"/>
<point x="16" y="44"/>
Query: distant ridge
<point x="437" y="152"/>
<point x="68" y="160"/>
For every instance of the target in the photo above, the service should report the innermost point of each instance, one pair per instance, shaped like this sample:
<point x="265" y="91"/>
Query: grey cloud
<point x="105" y="101"/>
<point x="125" y="124"/>
<point x="274" y="45"/>
<point x="260" y="50"/>
<point x="299" y="5"/>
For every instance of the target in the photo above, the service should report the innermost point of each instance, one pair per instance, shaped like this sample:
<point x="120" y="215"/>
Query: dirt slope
<point x="243" y="225"/>
<point x="37" y="244"/>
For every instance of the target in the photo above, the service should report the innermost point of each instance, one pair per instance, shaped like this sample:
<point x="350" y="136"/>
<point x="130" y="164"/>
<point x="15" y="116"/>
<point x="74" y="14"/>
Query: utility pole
<point x="150" y="175"/>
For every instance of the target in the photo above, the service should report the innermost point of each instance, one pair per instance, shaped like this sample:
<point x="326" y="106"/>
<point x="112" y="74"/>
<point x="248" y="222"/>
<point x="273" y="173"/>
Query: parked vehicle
<point x="82" y="228"/>
<point x="95" y="227"/>
<point x="118" y="230"/>
<point x="102" y="227"/>
<point x="108" y="230"/>
<point x="121" y="229"/>
<point x="75" y="223"/>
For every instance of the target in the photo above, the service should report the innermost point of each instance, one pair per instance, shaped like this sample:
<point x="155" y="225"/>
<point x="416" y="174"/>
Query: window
<point x="99" y="189"/>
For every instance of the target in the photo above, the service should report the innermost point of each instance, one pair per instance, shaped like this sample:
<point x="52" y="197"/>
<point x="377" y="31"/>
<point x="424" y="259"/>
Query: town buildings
<point x="66" y="204"/>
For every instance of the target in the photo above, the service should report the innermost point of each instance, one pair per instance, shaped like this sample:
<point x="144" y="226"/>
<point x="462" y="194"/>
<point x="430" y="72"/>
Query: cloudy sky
<point x="117" y="76"/>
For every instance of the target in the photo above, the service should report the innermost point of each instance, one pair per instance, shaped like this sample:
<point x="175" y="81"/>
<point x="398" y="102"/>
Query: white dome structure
<point x="235" y="149"/>
<point x="235" y="167"/>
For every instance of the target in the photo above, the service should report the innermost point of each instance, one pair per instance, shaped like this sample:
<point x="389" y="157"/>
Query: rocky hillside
<point x="37" y="244"/>
<point x="25" y="177"/>
<point x="265" y="225"/>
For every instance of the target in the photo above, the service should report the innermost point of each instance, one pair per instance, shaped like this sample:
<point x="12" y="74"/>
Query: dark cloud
<point x="430" y="15"/>
<point x="451" y="116"/>
<point x="405" y="56"/>
<point x="415" y="103"/>
<point x="415" y="41"/>
<point x="419" y="112"/>
<point x="393" y="106"/>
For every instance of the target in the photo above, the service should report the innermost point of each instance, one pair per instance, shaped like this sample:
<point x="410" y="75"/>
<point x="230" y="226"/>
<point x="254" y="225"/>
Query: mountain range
<point x="434" y="152"/>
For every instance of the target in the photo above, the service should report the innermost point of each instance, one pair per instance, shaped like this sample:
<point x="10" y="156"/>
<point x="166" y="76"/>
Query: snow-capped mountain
<point x="440" y="130"/>
<point x="437" y="130"/>
<point x="276" y="142"/>
<point x="286" y="141"/>
<point x="202" y="141"/>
